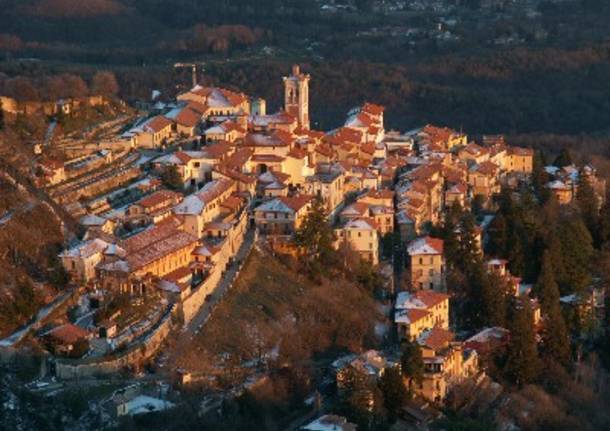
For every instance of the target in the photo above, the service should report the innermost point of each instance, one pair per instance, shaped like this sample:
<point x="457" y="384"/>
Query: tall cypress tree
<point x="589" y="206"/>
<point x="522" y="362"/>
<point x="497" y="236"/>
<point x="469" y="253"/>
<point x="564" y="158"/>
<point x="555" y="337"/>
<point x="412" y="363"/>
<point x="316" y="236"/>
<point x="576" y="252"/>
<point x="394" y="392"/>
<point x="604" y="217"/>
<point x="539" y="177"/>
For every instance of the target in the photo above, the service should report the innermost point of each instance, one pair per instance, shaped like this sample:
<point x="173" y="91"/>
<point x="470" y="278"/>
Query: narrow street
<point x="221" y="289"/>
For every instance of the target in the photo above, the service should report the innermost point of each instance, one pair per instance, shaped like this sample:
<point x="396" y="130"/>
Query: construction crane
<point x="193" y="67"/>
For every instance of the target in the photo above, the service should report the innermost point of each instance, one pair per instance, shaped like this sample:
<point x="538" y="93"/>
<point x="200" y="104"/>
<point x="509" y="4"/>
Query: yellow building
<point x="562" y="192"/>
<point x="520" y="160"/>
<point x="416" y="312"/>
<point x="427" y="263"/>
<point x="446" y="363"/>
<point x="327" y="185"/>
<point x="483" y="179"/>
<point x="361" y="234"/>
<point x="200" y="208"/>
<point x="283" y="215"/>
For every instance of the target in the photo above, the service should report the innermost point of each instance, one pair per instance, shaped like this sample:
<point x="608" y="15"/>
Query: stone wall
<point x="134" y="355"/>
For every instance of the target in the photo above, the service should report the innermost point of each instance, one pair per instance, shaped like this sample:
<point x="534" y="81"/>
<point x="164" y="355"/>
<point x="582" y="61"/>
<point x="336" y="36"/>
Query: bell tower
<point x="296" y="96"/>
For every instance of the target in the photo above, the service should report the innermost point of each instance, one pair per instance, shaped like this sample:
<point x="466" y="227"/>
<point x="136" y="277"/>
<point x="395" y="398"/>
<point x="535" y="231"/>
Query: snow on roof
<point x="330" y="423"/>
<point x="408" y="316"/>
<point x="143" y="404"/>
<point x="86" y="249"/>
<point x="191" y="205"/>
<point x="422" y="299"/>
<point x="218" y="100"/>
<point x="557" y="185"/>
<point x="92" y="220"/>
<point x="435" y="338"/>
<point x="426" y="245"/>
<point x="275" y="205"/>
<point x="360" y="224"/>
<point x="487" y="334"/>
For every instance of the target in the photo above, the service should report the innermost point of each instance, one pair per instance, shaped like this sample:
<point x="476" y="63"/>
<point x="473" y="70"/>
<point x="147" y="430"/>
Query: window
<point x="421" y="260"/>
<point x="359" y="234"/>
<point x="431" y="286"/>
<point x="431" y="272"/>
<point x="370" y="246"/>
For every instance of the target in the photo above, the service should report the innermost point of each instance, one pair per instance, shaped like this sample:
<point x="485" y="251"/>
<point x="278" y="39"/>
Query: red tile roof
<point x="68" y="333"/>
<point x="158" y="123"/>
<point x="296" y="202"/>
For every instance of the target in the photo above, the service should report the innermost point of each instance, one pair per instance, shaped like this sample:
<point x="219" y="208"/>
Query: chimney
<point x="296" y="70"/>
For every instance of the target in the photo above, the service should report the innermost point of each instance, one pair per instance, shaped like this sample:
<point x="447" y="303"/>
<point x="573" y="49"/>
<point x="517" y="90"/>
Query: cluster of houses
<point x="254" y="169"/>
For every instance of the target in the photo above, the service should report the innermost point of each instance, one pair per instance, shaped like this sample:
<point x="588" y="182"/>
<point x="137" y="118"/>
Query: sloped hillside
<point x="274" y="313"/>
<point x="30" y="237"/>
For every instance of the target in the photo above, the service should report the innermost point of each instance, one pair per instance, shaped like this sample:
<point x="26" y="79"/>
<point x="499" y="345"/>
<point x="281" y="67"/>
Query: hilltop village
<point x="170" y="208"/>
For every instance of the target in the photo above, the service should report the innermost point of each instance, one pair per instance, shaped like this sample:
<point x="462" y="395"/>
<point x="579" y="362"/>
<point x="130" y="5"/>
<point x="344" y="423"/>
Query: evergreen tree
<point x="171" y="178"/>
<point x="563" y="159"/>
<point x="394" y="392"/>
<point x="469" y="253"/>
<point x="522" y="357"/>
<point x="316" y="237"/>
<point x="604" y="217"/>
<point x="361" y="402"/>
<point x="497" y="236"/>
<point x="449" y="235"/>
<point x="576" y="251"/>
<point x="539" y="177"/>
<point x="412" y="363"/>
<point x="495" y="298"/>
<point x="587" y="202"/>
<point x="555" y="337"/>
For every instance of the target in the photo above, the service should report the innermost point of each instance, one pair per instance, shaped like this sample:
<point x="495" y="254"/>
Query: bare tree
<point x="105" y="84"/>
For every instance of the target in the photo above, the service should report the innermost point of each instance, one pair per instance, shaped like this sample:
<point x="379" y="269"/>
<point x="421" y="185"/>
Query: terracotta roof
<point x="234" y="174"/>
<point x="239" y="158"/>
<point x="520" y="151"/>
<point x="157" y="123"/>
<point x="358" y="209"/>
<point x="159" y="197"/>
<point x="296" y="202"/>
<point x="272" y="158"/>
<point x="196" y="106"/>
<point x="182" y="156"/>
<point x="68" y="333"/>
<point x="297" y="153"/>
<point x="436" y="338"/>
<point x="217" y="149"/>
<point x="159" y="249"/>
<point x="425" y="245"/>
<point x="487" y="168"/>
<point x="348" y="134"/>
<point x="188" y="118"/>
<point x="372" y="108"/>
